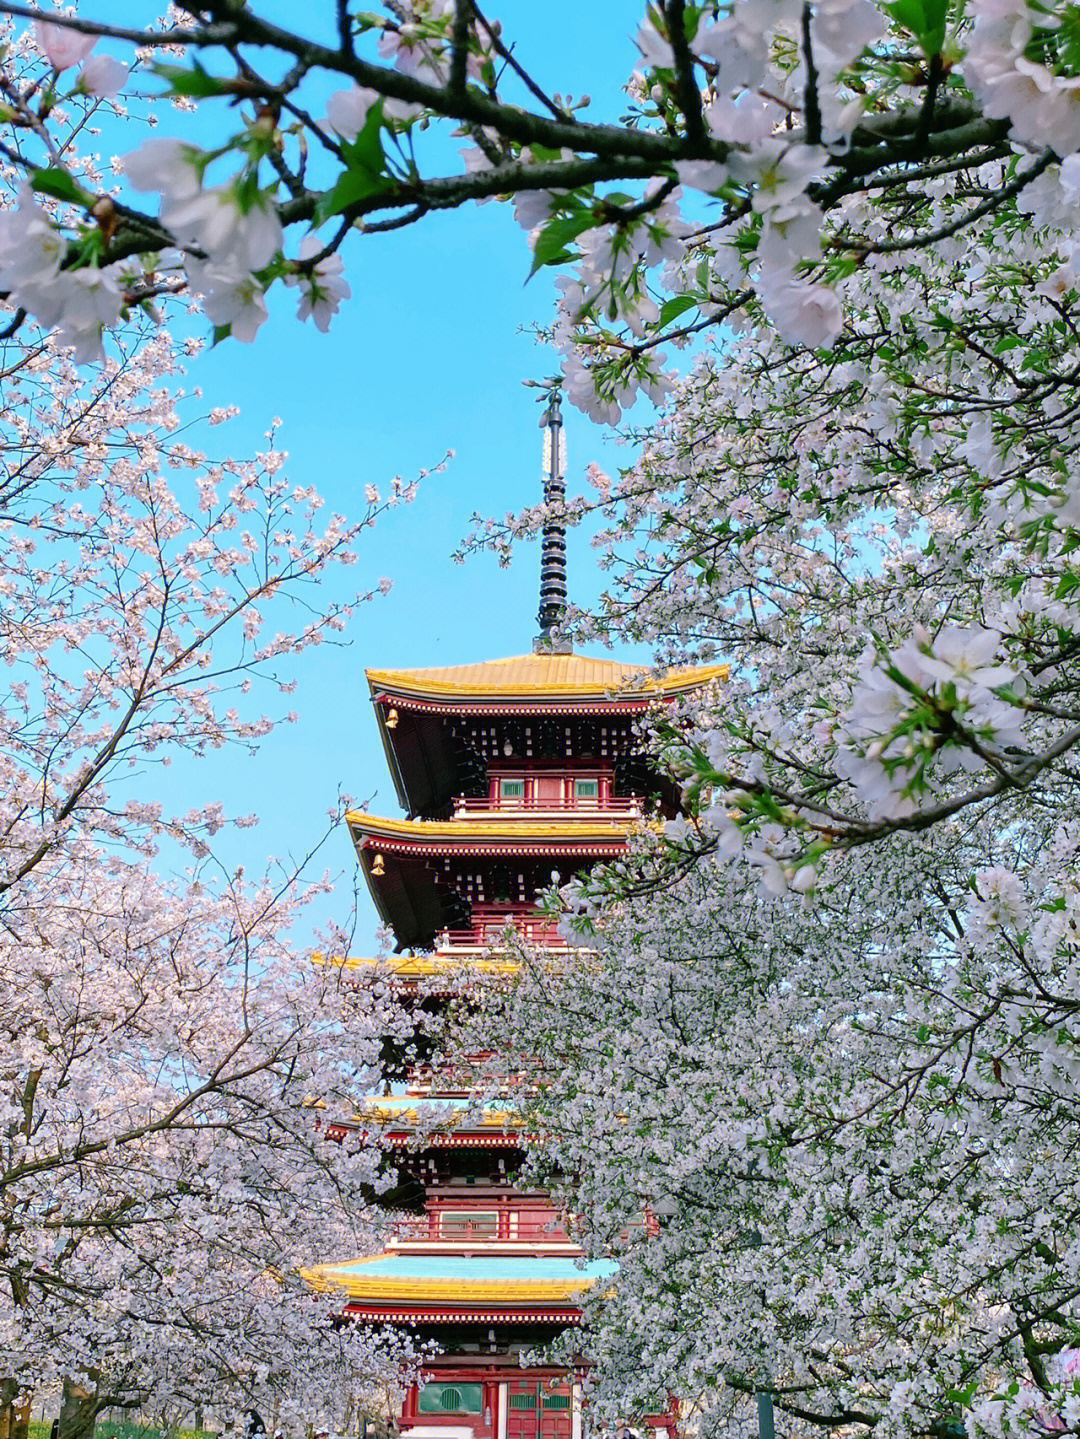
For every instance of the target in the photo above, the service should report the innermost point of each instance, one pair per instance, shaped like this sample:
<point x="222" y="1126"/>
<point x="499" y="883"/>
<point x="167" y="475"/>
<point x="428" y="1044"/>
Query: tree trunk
<point x="8" y="1393"/>
<point x="78" y="1412"/>
<point x="14" y="1411"/>
<point x="20" y="1418"/>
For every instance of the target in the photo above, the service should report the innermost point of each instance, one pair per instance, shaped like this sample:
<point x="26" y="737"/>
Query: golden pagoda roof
<point x="453" y="1279"/>
<point x="566" y="676"/>
<point x="425" y="966"/>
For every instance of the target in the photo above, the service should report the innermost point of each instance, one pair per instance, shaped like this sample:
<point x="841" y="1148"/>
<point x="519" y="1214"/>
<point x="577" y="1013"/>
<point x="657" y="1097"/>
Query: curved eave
<point x="405" y="800"/>
<point x="486" y="837"/>
<point x="450" y="1291"/>
<point x="395" y="859"/>
<point x="401" y="1138"/>
<point x="459" y="1139"/>
<point x="517" y="705"/>
<point x="421" y="1314"/>
<point x="523" y="679"/>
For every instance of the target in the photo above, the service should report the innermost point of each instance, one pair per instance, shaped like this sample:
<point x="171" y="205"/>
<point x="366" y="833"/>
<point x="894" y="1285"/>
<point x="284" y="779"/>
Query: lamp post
<point x="766" y="1422"/>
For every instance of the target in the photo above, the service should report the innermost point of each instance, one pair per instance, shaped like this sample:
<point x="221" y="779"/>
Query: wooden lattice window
<point x="463" y="1223"/>
<point x="451" y="1399"/>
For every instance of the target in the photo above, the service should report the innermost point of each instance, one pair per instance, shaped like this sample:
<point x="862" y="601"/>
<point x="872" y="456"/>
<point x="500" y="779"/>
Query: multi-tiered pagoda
<point x="513" y="773"/>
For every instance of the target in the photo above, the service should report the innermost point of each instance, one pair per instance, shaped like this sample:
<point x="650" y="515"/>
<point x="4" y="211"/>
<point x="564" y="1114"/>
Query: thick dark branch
<point x="933" y="84"/>
<point x="1019" y="778"/>
<point x="444" y="193"/>
<point x="686" y="84"/>
<point x="459" y="48"/>
<point x="13" y="324"/>
<point x="344" y="27"/>
<point x="811" y="100"/>
<point x="217" y="33"/>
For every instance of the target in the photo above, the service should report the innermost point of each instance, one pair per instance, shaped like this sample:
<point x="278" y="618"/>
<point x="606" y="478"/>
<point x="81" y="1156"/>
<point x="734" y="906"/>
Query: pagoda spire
<point x="552" y="610"/>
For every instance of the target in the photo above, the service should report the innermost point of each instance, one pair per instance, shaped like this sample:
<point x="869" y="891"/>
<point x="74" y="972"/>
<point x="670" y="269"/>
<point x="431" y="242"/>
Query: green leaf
<point x="366" y="151"/>
<point x="59" y="184"/>
<point x="554" y="240"/>
<point x="221" y="332"/>
<point x="909" y="13"/>
<point x="364" y="174"/>
<point x="924" y="18"/>
<point x="195" y="82"/>
<point x="676" y="306"/>
<point x="933" y="37"/>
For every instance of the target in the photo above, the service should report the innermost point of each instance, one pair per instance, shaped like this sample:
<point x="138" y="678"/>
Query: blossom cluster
<point x="764" y="151"/>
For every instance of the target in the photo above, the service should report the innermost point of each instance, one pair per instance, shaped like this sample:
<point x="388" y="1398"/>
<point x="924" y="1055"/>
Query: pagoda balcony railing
<point x="539" y="1227"/>
<point x="491" y="934"/>
<point x="533" y="805"/>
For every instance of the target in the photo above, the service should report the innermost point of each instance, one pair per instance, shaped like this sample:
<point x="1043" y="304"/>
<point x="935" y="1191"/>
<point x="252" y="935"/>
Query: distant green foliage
<point x="40" y="1429"/>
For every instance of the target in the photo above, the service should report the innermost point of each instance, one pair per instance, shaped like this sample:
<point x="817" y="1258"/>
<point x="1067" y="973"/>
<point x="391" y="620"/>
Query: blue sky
<point x="429" y="355"/>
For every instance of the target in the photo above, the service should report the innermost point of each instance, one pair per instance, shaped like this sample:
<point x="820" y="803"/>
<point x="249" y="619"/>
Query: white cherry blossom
<point x="103" y="76"/>
<point x="231" y="296"/>
<point x="347" y="110"/>
<point x="215" y="221"/>
<point x="321" y="291"/>
<point x="803" y="313"/>
<point x="173" y="168"/>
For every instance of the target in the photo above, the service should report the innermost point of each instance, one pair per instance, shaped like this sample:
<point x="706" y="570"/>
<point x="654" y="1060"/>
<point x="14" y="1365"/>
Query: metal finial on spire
<point x="552" y="610"/>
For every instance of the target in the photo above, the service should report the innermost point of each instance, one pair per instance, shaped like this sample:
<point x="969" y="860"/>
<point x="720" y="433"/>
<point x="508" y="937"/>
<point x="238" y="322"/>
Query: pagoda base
<point x="463" y="1399"/>
<point x="496" y="1398"/>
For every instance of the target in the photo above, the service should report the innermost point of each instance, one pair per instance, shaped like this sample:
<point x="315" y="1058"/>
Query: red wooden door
<point x="548" y="789"/>
<point x="556" y="1412"/>
<point x="538" y="1411"/>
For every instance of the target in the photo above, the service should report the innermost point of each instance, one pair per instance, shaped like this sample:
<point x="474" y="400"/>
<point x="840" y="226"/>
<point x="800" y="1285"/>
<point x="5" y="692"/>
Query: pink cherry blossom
<point x="62" y="45"/>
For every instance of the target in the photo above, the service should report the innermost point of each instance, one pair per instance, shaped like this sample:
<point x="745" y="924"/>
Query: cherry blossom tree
<point x="823" y="1036"/>
<point x="167" y="1049"/>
